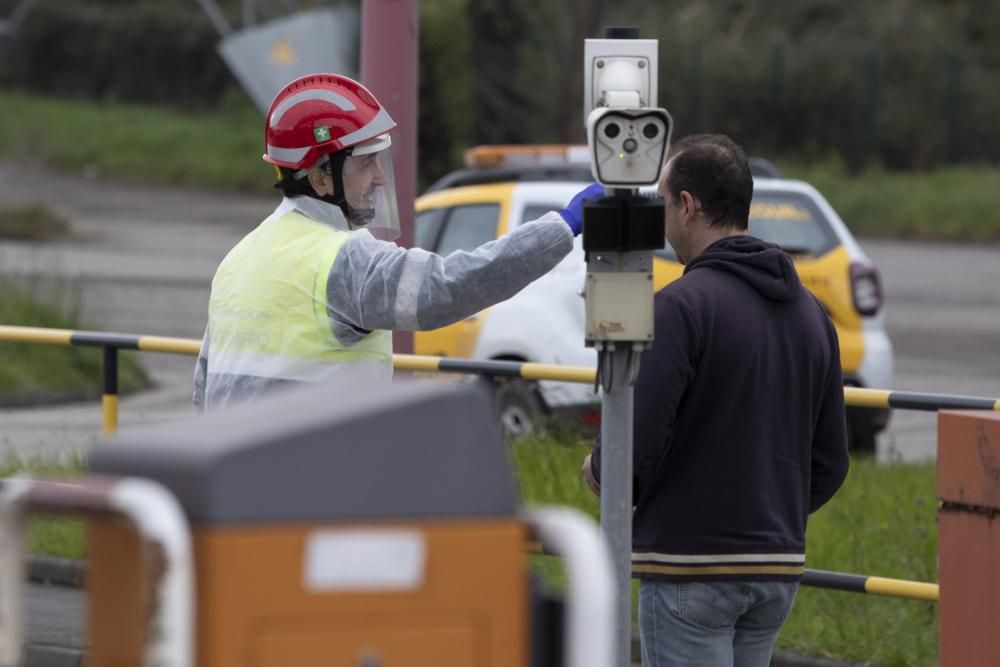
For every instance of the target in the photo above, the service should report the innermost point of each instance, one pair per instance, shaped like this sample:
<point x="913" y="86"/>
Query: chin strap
<point x="356" y="217"/>
<point x="335" y="167"/>
<point x="360" y="217"/>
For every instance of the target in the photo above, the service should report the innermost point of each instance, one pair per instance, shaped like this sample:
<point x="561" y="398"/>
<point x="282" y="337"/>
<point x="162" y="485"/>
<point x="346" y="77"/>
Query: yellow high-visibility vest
<point x="268" y="309"/>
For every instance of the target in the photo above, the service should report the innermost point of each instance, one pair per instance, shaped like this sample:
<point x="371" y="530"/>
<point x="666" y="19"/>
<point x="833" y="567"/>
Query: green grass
<point x="953" y="203"/>
<point x="31" y="222"/>
<point x="217" y="149"/>
<point x="48" y="535"/>
<point x="221" y="148"/>
<point x="882" y="522"/>
<point x="31" y="373"/>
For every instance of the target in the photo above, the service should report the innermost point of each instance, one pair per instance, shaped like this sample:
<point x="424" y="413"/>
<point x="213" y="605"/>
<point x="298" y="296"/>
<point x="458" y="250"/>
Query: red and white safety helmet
<point x="322" y="114"/>
<point x="319" y="114"/>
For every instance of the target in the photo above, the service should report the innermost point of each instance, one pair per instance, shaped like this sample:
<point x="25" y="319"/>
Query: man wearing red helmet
<point x="312" y="294"/>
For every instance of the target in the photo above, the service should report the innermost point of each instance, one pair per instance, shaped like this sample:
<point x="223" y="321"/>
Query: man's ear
<point x="320" y="182"/>
<point x="689" y="205"/>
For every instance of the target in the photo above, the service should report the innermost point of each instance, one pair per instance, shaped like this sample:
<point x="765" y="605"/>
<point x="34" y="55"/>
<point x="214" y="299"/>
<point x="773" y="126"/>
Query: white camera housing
<point x="627" y="135"/>
<point x="619" y="73"/>
<point x="628" y="145"/>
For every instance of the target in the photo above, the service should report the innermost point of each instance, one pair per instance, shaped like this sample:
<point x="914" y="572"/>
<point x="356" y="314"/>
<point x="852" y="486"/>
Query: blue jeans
<point x="712" y="624"/>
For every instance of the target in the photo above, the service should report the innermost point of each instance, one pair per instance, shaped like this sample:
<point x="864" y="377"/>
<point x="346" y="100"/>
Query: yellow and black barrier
<point x="912" y="400"/>
<point x="859" y="583"/>
<point x="511" y="369"/>
<point x="854" y="396"/>
<point x="112" y="342"/>
<point x="840" y="581"/>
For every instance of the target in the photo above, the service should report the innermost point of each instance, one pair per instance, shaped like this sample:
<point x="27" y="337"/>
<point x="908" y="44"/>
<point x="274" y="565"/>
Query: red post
<point x="968" y="485"/>
<point x="390" y="31"/>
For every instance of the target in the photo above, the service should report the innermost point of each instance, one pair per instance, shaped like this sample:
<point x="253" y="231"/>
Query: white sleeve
<point x="378" y="285"/>
<point x="201" y="375"/>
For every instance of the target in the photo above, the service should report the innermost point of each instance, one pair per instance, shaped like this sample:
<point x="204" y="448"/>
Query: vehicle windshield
<point x="788" y="219"/>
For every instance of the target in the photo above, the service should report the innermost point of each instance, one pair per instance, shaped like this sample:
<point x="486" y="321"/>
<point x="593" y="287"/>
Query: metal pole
<point x="216" y="16"/>
<point x="390" y="31"/>
<point x="109" y="397"/>
<point x="588" y="625"/>
<point x="249" y="12"/>
<point x="616" y="488"/>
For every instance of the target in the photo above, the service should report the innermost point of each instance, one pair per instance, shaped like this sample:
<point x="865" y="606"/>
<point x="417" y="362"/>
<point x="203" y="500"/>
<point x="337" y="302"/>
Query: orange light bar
<point x="508" y="155"/>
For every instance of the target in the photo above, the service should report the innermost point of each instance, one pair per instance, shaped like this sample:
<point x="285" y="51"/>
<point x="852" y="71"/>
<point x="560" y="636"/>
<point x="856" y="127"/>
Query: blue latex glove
<point x="573" y="213"/>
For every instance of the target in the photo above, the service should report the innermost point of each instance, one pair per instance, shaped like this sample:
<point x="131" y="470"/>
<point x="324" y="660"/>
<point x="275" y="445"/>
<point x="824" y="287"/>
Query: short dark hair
<point x="291" y="186"/>
<point x="714" y="169"/>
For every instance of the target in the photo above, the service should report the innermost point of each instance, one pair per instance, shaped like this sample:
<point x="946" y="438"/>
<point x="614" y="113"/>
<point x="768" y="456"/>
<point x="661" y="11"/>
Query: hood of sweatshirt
<point x="763" y="265"/>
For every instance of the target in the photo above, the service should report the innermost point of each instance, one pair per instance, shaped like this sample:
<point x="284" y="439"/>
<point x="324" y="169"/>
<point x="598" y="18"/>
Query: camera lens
<point x="629" y="145"/>
<point x="650" y="131"/>
<point x="611" y="130"/>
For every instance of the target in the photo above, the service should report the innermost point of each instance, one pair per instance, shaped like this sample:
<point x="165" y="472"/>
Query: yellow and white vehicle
<point x="544" y="323"/>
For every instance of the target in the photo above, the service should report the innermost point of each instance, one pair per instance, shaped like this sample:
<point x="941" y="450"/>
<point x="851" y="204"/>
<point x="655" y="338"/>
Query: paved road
<point x="943" y="315"/>
<point x="140" y="259"/>
<point x="56" y="617"/>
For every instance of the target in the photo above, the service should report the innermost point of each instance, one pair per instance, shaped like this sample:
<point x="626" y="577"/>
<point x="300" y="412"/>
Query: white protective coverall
<point x="372" y="287"/>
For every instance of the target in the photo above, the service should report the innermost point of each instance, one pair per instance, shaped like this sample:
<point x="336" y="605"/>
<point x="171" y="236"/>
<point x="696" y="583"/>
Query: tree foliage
<point x="905" y="84"/>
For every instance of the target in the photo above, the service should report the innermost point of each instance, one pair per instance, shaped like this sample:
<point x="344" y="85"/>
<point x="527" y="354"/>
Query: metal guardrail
<point x="853" y="396"/>
<point x="842" y="581"/>
<point x="859" y="583"/>
<point x="112" y="342"/>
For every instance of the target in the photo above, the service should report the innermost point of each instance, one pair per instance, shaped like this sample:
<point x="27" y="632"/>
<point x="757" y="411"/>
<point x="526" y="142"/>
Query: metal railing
<point x="842" y="581"/>
<point x="163" y="533"/>
<point x="853" y="396"/>
<point x="882" y="586"/>
<point x="112" y="342"/>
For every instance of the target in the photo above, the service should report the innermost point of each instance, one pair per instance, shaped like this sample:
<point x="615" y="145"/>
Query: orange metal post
<point x="968" y="485"/>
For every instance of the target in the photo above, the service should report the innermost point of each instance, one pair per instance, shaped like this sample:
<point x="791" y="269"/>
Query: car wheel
<point x="519" y="408"/>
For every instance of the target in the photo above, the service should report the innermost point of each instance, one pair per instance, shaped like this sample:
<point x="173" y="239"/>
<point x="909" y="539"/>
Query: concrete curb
<point x="51" y="656"/>
<point x="786" y="659"/>
<point x="57" y="571"/>
<point x="39" y="655"/>
<point x="778" y="659"/>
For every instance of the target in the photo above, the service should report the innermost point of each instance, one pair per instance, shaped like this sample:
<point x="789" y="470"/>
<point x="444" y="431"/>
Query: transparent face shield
<point x="370" y="189"/>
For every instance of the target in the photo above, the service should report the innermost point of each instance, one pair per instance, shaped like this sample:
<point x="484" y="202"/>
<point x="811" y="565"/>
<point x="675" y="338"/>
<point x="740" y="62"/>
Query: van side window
<point x="468" y="227"/>
<point x="427" y="228"/>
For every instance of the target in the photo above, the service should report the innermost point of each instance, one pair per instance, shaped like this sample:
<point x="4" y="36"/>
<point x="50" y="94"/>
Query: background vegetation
<point x="908" y="84"/>
<point x="49" y="535"/>
<point x="31" y="222"/>
<point x="888" y="108"/>
<point x="31" y="373"/>
<point x="881" y="522"/>
<point x="949" y="202"/>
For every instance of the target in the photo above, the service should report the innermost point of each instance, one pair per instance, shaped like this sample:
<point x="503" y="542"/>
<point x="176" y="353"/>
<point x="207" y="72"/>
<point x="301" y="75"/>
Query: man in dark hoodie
<point x="739" y="426"/>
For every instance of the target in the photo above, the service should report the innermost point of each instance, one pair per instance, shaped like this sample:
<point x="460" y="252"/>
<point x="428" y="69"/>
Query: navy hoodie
<point x="740" y="427"/>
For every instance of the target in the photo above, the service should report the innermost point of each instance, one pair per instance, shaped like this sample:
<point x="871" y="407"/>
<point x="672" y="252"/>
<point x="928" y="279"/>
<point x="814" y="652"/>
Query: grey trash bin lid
<point x="326" y="453"/>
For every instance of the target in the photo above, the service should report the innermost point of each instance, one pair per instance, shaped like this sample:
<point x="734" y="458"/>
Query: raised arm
<point x="378" y="285"/>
